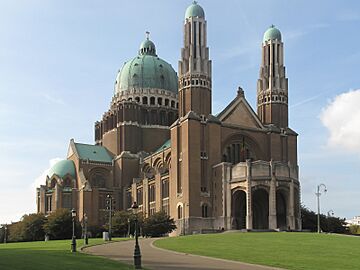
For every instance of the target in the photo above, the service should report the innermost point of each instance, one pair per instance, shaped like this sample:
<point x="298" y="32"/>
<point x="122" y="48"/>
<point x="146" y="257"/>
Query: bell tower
<point x="272" y="86"/>
<point x="195" y="66"/>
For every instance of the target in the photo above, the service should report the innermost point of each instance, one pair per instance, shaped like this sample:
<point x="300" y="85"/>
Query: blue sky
<point x="59" y="59"/>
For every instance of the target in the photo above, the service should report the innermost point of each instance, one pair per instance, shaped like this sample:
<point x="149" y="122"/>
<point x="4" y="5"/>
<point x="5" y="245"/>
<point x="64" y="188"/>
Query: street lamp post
<point x="86" y="240"/>
<point x="137" y="254"/>
<point x="318" y="194"/>
<point x="5" y="233"/>
<point x="73" y="240"/>
<point x="110" y="202"/>
<point x="128" y="233"/>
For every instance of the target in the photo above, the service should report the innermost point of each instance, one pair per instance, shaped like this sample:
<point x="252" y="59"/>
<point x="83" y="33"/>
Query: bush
<point x="59" y="225"/>
<point x="158" y="224"/>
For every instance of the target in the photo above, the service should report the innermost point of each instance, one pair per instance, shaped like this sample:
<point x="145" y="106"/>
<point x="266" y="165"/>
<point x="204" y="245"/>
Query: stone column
<point x="272" y="198"/>
<point x="290" y="217"/>
<point x="226" y="196"/>
<point x="249" y="219"/>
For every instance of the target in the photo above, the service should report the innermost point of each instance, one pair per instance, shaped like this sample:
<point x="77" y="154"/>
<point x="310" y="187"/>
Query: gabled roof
<point x="239" y="112"/>
<point x="90" y="152"/>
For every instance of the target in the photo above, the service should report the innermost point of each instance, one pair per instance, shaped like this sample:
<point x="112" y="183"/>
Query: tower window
<point x="204" y="211"/>
<point x="179" y="209"/>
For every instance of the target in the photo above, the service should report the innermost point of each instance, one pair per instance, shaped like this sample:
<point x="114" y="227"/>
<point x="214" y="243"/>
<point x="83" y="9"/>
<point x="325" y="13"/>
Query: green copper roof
<point x="166" y="144"/>
<point x="62" y="168"/>
<point x="146" y="70"/>
<point x="194" y="10"/>
<point x="93" y="152"/>
<point x="272" y="34"/>
<point x="147" y="47"/>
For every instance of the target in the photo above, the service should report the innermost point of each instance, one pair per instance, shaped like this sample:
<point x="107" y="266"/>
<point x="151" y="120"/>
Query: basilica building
<point x="160" y="144"/>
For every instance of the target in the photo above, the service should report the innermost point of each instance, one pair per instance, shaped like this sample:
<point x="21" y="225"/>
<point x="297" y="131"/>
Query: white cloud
<point x="342" y="119"/>
<point x="41" y="179"/>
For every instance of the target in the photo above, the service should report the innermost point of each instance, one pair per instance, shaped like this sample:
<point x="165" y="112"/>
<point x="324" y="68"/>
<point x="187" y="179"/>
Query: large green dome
<point x="272" y="34"/>
<point x="62" y="168"/>
<point x="146" y="70"/>
<point x="194" y="10"/>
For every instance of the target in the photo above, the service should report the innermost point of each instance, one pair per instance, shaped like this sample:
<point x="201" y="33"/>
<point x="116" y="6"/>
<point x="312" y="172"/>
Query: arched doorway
<point x="281" y="209"/>
<point x="238" y="210"/>
<point x="260" y="203"/>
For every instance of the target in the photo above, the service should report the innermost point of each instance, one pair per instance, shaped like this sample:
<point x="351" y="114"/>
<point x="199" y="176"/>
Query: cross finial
<point x="272" y="26"/>
<point x="147" y="34"/>
<point x="195" y="2"/>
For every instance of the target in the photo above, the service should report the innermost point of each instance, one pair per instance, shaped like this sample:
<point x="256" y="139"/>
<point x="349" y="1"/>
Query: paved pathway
<point x="160" y="259"/>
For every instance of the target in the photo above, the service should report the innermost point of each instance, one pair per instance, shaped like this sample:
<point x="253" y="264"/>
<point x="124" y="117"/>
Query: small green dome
<point x="62" y="168"/>
<point x="272" y="34"/>
<point x="146" y="70"/>
<point x="147" y="47"/>
<point x="194" y="10"/>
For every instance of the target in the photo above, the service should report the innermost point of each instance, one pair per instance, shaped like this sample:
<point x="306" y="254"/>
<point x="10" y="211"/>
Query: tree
<point x="354" y="229"/>
<point x="121" y="222"/>
<point x="33" y="227"/>
<point x="15" y="232"/>
<point x="328" y="224"/>
<point x="59" y="225"/>
<point x="158" y="224"/>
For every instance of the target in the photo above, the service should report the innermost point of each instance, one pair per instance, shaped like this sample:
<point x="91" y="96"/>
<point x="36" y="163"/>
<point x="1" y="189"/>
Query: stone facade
<point x="166" y="151"/>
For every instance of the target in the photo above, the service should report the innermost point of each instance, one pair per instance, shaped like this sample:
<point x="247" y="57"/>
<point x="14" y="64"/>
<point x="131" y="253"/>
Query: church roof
<point x="93" y="152"/>
<point x="165" y="145"/>
<point x="62" y="168"/>
<point x="272" y="34"/>
<point x="194" y="10"/>
<point x="146" y="70"/>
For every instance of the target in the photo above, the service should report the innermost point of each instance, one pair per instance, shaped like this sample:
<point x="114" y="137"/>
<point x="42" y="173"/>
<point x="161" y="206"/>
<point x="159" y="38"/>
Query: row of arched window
<point x="154" y="101"/>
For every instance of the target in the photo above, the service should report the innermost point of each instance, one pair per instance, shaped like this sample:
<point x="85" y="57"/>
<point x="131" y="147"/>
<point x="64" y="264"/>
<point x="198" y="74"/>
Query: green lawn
<point x="54" y="255"/>
<point x="285" y="250"/>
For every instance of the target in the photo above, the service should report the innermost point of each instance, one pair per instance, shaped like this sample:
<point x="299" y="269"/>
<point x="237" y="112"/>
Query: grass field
<point x="285" y="250"/>
<point x="53" y="255"/>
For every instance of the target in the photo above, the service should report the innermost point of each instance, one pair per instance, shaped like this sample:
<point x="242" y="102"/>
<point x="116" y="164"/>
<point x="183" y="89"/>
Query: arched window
<point x="152" y="101"/>
<point x="172" y="104"/>
<point x="145" y="100"/>
<point x="179" y="209"/>
<point x="204" y="211"/>
<point x="238" y="151"/>
<point x="67" y="182"/>
<point x="137" y="99"/>
<point x="53" y="183"/>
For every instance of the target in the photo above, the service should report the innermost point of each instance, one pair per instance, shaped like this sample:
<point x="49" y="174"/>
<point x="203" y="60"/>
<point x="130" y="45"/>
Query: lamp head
<point x="134" y="206"/>
<point x="73" y="212"/>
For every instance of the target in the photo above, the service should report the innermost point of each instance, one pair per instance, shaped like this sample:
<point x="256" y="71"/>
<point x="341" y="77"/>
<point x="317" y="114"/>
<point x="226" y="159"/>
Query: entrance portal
<point x="238" y="210"/>
<point x="260" y="209"/>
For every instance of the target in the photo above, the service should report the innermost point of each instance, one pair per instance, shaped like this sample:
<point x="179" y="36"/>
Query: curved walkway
<point x="160" y="259"/>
